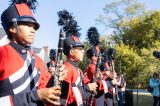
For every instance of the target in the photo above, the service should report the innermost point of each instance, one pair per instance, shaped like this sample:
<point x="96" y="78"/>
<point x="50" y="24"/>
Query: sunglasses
<point x="78" y="48"/>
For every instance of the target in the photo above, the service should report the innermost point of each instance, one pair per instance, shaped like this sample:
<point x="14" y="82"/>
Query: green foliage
<point x="117" y="12"/>
<point x="130" y="61"/>
<point x="136" y="34"/>
<point x="143" y="33"/>
<point x="84" y="64"/>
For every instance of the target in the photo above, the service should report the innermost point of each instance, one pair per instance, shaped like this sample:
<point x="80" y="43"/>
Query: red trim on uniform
<point x="23" y="9"/>
<point x="75" y="38"/>
<point x="100" y="85"/>
<point x="90" y="71"/>
<point x="11" y="58"/>
<point x="94" y="102"/>
<point x="11" y="101"/>
<point x="71" y="78"/>
<point x="44" y="79"/>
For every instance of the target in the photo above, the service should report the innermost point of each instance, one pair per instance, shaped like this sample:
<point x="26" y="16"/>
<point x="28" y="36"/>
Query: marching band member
<point x="75" y="88"/>
<point x="92" y="54"/>
<point x="23" y="76"/>
<point x="51" y="63"/>
<point x="106" y="73"/>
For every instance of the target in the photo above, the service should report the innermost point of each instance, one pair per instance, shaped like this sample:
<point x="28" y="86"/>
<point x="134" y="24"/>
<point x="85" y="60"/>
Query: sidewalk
<point x="142" y="98"/>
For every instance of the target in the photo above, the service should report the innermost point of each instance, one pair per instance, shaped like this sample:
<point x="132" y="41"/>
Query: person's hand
<point x="92" y="87"/>
<point x="97" y="75"/>
<point x="51" y="69"/>
<point x="50" y="95"/>
<point x="114" y="81"/>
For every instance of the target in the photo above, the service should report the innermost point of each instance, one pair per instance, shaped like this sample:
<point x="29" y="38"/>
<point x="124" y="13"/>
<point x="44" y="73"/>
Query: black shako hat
<point x="70" y="42"/>
<point x="19" y="10"/>
<point x="94" y="51"/>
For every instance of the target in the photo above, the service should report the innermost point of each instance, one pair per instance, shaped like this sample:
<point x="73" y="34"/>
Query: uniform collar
<point x="20" y="49"/>
<point x="73" y="63"/>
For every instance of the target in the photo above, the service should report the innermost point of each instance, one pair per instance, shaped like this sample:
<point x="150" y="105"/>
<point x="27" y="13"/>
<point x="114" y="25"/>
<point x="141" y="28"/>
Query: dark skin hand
<point x="50" y="95"/>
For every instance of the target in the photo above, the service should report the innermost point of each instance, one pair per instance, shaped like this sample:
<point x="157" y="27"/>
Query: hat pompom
<point x="104" y="56"/>
<point x="71" y="29"/>
<point x="32" y="4"/>
<point x="93" y="36"/>
<point x="69" y="24"/>
<point x="52" y="54"/>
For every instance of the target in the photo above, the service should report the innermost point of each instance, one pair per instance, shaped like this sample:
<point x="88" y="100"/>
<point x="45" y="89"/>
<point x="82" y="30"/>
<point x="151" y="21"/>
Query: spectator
<point x="155" y="84"/>
<point x="121" y="89"/>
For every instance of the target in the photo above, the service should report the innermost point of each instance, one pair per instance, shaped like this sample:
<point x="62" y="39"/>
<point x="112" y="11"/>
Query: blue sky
<point x="84" y="11"/>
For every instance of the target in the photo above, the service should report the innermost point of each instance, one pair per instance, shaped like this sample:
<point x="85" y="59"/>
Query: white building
<point x="3" y="37"/>
<point x="42" y="53"/>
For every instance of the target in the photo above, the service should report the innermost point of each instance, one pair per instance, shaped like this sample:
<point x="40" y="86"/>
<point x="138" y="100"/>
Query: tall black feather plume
<point x="93" y="36"/>
<point x="32" y="4"/>
<point x="111" y="53"/>
<point x="69" y="25"/>
<point x="52" y="54"/>
<point x="105" y="56"/>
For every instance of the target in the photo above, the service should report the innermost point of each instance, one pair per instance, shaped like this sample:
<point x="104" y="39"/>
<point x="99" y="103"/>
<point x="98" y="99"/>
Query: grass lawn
<point x="144" y="99"/>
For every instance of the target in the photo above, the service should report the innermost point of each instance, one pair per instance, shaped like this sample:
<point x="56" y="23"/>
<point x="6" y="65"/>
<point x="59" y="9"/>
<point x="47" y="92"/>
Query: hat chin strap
<point x="14" y="20"/>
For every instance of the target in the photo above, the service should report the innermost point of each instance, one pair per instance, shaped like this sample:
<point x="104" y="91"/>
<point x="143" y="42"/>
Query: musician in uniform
<point x="75" y="88"/>
<point x="23" y="76"/>
<point x="92" y="54"/>
<point x="51" y="63"/>
<point x="106" y="73"/>
<point x="113" y="75"/>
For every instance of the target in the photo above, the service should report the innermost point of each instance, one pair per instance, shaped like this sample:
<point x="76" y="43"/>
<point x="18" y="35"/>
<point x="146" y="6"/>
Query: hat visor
<point x="29" y="19"/>
<point x="78" y="45"/>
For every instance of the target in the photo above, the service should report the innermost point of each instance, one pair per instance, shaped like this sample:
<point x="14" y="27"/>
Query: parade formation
<point x="26" y="81"/>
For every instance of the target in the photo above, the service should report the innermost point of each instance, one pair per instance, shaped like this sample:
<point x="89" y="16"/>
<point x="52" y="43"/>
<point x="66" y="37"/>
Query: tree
<point x="143" y="32"/>
<point x="136" y="34"/>
<point x="83" y="65"/>
<point x="117" y="12"/>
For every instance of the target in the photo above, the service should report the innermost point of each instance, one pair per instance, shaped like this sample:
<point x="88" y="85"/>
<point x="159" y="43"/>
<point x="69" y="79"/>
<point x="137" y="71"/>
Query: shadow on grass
<point x="144" y="99"/>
